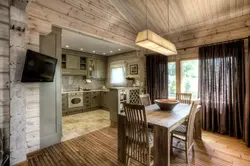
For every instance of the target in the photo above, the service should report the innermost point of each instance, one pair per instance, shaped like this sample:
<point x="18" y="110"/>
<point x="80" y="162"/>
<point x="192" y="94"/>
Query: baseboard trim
<point x="23" y="163"/>
<point x="36" y="152"/>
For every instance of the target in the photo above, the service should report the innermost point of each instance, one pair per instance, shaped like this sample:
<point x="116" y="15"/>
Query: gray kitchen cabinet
<point x="91" y="67"/>
<point x="72" y="62"/>
<point x="86" y="100"/>
<point x="100" y="69"/>
<point x="95" y="99"/>
<point x="104" y="100"/>
<point x="64" y="103"/>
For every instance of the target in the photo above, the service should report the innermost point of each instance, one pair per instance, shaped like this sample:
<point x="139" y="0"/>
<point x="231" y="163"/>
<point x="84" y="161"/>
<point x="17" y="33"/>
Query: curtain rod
<point x="213" y="43"/>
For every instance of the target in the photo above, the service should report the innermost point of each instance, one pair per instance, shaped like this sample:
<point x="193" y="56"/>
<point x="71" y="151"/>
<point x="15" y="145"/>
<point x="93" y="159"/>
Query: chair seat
<point x="150" y="138"/>
<point x="181" y="130"/>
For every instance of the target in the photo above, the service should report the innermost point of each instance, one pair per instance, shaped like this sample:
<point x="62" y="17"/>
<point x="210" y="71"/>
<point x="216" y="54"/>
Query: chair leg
<point x="171" y="144"/>
<point x="186" y="151"/>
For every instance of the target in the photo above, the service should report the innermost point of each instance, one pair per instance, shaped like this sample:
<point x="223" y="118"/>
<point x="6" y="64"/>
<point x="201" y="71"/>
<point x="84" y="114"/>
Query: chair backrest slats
<point x="145" y="99"/>
<point x="191" y="120"/>
<point x="184" y="97"/>
<point x="137" y="133"/>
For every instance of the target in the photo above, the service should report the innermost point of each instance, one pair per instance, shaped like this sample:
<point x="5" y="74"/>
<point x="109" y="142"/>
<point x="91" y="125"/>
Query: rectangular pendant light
<point x="150" y="40"/>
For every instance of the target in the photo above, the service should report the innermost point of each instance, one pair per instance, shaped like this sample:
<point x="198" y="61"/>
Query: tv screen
<point x="38" y="67"/>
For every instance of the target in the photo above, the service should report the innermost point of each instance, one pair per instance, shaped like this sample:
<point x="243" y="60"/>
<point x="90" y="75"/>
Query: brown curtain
<point x="157" y="76"/>
<point x="247" y="99"/>
<point x="222" y="87"/>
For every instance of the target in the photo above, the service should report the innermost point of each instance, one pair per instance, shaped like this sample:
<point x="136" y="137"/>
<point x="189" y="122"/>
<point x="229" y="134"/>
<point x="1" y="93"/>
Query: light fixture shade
<point x="150" y="40"/>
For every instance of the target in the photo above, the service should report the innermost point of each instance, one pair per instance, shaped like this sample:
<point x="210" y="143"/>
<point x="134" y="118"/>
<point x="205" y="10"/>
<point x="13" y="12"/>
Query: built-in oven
<point x="75" y="100"/>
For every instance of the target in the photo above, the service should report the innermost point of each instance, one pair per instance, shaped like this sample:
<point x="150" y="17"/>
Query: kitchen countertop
<point x="133" y="87"/>
<point x="94" y="90"/>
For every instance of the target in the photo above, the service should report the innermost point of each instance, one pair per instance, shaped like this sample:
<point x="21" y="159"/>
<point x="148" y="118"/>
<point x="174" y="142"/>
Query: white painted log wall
<point x="18" y="146"/>
<point x="4" y="72"/>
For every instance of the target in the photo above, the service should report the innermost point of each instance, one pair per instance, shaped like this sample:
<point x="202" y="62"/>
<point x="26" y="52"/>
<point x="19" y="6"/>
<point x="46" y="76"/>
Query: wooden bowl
<point x="167" y="104"/>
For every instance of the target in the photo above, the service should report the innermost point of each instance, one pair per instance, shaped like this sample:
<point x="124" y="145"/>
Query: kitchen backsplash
<point x="71" y="83"/>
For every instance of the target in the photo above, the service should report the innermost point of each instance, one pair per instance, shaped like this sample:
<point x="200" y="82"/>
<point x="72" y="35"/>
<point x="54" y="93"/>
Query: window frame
<point x="120" y="65"/>
<point x="178" y="61"/>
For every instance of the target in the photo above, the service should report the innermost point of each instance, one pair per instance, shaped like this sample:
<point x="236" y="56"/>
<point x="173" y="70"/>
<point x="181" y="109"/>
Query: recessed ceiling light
<point x="81" y="49"/>
<point x="104" y="53"/>
<point x="111" y="51"/>
<point x="67" y="46"/>
<point x="119" y="49"/>
<point x="93" y="51"/>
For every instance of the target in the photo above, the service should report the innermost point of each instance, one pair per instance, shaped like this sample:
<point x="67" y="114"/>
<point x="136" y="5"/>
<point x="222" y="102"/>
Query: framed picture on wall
<point x="133" y="69"/>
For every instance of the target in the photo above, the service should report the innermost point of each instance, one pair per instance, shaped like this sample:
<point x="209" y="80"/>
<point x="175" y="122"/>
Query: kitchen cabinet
<point x="73" y="65"/>
<point x="86" y="100"/>
<point x="95" y="99"/>
<point x="64" y="103"/>
<point x="104" y="100"/>
<point x="91" y="100"/>
<point x="96" y="68"/>
<point x="72" y="62"/>
<point x="118" y="96"/>
<point x="91" y="68"/>
<point x="100" y="69"/>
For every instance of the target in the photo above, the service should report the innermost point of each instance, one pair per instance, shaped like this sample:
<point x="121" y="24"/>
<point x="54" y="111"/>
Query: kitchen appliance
<point x="75" y="100"/>
<point x="38" y="67"/>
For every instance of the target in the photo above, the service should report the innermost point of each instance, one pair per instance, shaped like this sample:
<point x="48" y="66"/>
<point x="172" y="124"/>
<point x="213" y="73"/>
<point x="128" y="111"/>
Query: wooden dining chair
<point x="184" y="97"/>
<point x="139" y="140"/>
<point x="185" y="132"/>
<point x="145" y="99"/>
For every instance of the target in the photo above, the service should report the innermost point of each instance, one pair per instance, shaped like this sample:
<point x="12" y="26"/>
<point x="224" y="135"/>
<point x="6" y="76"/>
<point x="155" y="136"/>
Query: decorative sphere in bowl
<point x="167" y="104"/>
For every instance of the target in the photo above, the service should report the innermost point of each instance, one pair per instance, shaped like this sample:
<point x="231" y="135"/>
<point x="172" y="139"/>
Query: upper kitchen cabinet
<point x="81" y="63"/>
<point x="96" y="68"/>
<point x="73" y="64"/>
<point x="101" y="68"/>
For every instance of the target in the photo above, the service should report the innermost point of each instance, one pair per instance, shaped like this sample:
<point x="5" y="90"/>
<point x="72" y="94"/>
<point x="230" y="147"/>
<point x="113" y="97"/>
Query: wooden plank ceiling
<point x="183" y="14"/>
<point x="97" y="18"/>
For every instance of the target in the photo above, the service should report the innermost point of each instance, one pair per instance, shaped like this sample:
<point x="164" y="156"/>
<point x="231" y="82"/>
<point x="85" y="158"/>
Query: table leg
<point x="121" y="139"/>
<point x="161" y="146"/>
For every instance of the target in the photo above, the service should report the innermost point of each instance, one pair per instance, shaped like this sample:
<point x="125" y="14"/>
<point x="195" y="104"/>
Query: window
<point x="171" y="79"/>
<point x="117" y="75"/>
<point x="189" y="77"/>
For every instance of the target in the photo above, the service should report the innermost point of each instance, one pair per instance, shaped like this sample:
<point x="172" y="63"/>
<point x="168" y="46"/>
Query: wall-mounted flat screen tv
<point x="38" y="67"/>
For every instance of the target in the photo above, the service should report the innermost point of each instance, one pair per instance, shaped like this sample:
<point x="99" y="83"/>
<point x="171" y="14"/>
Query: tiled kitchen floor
<point x="83" y="123"/>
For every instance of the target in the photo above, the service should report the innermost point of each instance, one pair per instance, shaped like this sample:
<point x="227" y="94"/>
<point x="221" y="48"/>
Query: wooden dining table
<point x="163" y="122"/>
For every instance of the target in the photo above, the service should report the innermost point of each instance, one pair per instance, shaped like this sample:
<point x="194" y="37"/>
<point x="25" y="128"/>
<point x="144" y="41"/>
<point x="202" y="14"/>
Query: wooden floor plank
<point x="100" y="148"/>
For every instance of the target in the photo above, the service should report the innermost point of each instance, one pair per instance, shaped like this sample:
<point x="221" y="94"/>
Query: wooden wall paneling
<point x="4" y="47"/>
<point x="32" y="37"/>
<point x="92" y="11"/>
<point x="211" y="30"/>
<point x="77" y="13"/>
<point x="4" y="114"/>
<point x="18" y="21"/>
<point x="102" y="5"/>
<point x="224" y="36"/>
<point x="4" y="64"/>
<point x="202" y="13"/>
<point x="4" y="97"/>
<point x="4" y="81"/>
<point x="4" y="73"/>
<point x="4" y="3"/>
<point x="4" y="14"/>
<point x="68" y="22"/>
<point x="4" y="31"/>
<point x="40" y="26"/>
